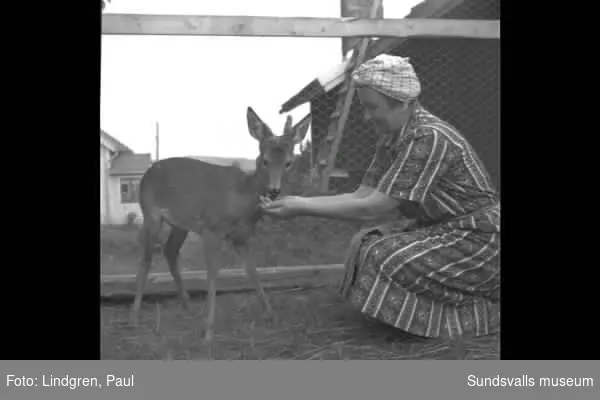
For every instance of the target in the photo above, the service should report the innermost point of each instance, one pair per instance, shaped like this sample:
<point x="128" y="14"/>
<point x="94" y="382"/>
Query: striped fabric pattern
<point x="442" y="277"/>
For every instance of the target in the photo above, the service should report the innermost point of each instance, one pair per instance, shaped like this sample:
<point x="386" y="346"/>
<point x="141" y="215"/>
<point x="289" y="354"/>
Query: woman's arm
<point x="414" y="173"/>
<point x="365" y="205"/>
<point x="362" y="191"/>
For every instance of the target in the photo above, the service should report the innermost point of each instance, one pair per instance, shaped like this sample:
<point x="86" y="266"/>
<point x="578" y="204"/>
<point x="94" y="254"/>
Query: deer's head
<point x="276" y="157"/>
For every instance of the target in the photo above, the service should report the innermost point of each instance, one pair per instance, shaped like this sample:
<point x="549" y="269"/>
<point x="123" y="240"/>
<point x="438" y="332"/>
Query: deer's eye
<point x="265" y="162"/>
<point x="288" y="164"/>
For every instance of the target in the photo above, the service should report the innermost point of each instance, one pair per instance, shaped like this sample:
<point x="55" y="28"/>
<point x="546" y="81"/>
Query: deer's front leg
<point x="244" y="256"/>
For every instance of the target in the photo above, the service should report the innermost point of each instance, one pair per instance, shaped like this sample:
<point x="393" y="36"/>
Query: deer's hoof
<point x="208" y="336"/>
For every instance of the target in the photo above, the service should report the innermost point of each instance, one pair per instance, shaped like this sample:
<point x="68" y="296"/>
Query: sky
<point x="198" y="88"/>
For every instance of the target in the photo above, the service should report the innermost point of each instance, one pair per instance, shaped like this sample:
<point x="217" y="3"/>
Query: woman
<point x="435" y="272"/>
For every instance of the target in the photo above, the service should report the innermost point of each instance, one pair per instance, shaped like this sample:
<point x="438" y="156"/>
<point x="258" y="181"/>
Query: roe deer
<point x="219" y="203"/>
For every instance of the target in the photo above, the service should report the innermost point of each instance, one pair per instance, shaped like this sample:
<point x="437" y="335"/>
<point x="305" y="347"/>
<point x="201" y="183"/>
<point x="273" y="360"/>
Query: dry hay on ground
<point x="307" y="325"/>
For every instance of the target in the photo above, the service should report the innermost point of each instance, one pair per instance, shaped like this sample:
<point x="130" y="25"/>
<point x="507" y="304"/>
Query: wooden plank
<point x="122" y="287"/>
<point x="232" y="25"/>
<point x="225" y="273"/>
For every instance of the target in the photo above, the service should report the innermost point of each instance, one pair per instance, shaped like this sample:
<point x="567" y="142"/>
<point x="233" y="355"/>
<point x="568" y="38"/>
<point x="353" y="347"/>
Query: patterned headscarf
<point x="390" y="75"/>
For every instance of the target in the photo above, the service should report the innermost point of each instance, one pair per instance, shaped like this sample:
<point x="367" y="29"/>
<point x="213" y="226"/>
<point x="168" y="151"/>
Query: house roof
<point x="245" y="163"/>
<point x="425" y="9"/>
<point x="130" y="164"/>
<point x="117" y="145"/>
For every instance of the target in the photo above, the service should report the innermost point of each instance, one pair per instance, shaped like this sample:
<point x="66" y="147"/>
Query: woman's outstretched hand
<point x="285" y="207"/>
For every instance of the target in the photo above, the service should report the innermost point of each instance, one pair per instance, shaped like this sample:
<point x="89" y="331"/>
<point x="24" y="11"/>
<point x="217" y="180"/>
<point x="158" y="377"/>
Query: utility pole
<point x="157" y="141"/>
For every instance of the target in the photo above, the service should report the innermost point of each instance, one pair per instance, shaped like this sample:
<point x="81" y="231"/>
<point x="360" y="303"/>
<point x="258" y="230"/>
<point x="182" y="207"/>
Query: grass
<point x="301" y="241"/>
<point x="307" y="325"/>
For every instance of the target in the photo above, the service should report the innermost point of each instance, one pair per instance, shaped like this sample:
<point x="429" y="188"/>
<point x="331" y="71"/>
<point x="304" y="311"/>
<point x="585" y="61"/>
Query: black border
<point x="51" y="299"/>
<point x="547" y="300"/>
<point x="51" y="293"/>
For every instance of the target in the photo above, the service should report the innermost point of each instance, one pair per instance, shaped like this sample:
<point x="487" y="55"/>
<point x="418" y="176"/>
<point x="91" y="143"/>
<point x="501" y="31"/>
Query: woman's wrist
<point x="303" y="205"/>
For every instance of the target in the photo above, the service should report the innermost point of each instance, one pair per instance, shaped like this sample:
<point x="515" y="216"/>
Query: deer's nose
<point x="273" y="193"/>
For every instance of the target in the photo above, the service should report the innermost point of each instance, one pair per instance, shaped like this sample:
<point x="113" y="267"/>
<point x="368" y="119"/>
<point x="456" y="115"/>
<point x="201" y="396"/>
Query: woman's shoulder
<point x="429" y="125"/>
<point x="423" y="119"/>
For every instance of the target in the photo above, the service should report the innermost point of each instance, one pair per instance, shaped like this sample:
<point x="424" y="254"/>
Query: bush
<point x="131" y="218"/>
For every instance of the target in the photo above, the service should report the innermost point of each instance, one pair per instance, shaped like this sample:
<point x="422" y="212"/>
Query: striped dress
<point x="438" y="276"/>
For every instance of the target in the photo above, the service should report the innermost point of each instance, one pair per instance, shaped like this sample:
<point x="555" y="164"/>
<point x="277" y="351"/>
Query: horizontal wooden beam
<point x="122" y="287"/>
<point x="226" y="273"/>
<point x="232" y="25"/>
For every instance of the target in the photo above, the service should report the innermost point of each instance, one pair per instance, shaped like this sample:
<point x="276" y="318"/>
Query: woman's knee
<point x="356" y="239"/>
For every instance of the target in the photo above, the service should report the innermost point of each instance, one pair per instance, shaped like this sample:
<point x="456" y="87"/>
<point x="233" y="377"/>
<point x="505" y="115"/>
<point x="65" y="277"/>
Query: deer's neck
<point x="249" y="189"/>
<point x="253" y="183"/>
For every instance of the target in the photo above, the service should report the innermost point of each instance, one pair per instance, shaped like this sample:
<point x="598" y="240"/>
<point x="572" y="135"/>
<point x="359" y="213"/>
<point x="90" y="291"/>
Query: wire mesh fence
<point x="460" y="84"/>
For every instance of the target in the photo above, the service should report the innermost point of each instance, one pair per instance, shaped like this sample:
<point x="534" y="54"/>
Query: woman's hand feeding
<point x="285" y="207"/>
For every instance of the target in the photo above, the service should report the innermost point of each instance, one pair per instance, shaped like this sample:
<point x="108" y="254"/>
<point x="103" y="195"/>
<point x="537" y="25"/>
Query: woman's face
<point x="387" y="115"/>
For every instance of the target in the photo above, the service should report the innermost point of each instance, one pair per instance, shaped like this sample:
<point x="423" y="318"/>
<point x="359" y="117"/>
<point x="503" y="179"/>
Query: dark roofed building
<point x="120" y="173"/>
<point x="131" y="164"/>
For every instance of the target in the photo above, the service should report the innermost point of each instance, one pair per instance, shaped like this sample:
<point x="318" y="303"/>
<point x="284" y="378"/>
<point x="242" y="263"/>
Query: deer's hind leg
<point x="149" y="237"/>
<point x="171" y="252"/>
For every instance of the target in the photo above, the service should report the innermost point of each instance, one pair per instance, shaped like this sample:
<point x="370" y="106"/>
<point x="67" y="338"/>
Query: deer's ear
<point x="257" y="128"/>
<point x="300" y="129"/>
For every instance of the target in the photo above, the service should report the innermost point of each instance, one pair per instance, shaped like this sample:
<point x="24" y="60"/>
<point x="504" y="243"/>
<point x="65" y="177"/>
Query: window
<point x="129" y="190"/>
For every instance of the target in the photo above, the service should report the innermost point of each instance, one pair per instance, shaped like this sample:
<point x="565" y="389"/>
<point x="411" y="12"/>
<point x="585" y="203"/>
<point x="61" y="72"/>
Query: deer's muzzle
<point x="272" y="194"/>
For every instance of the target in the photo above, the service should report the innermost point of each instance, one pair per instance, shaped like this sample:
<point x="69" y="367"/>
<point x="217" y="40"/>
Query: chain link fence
<point x="460" y="84"/>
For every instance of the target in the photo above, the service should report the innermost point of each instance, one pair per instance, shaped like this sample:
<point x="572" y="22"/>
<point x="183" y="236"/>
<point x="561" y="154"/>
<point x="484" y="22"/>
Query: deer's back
<point x="196" y="195"/>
